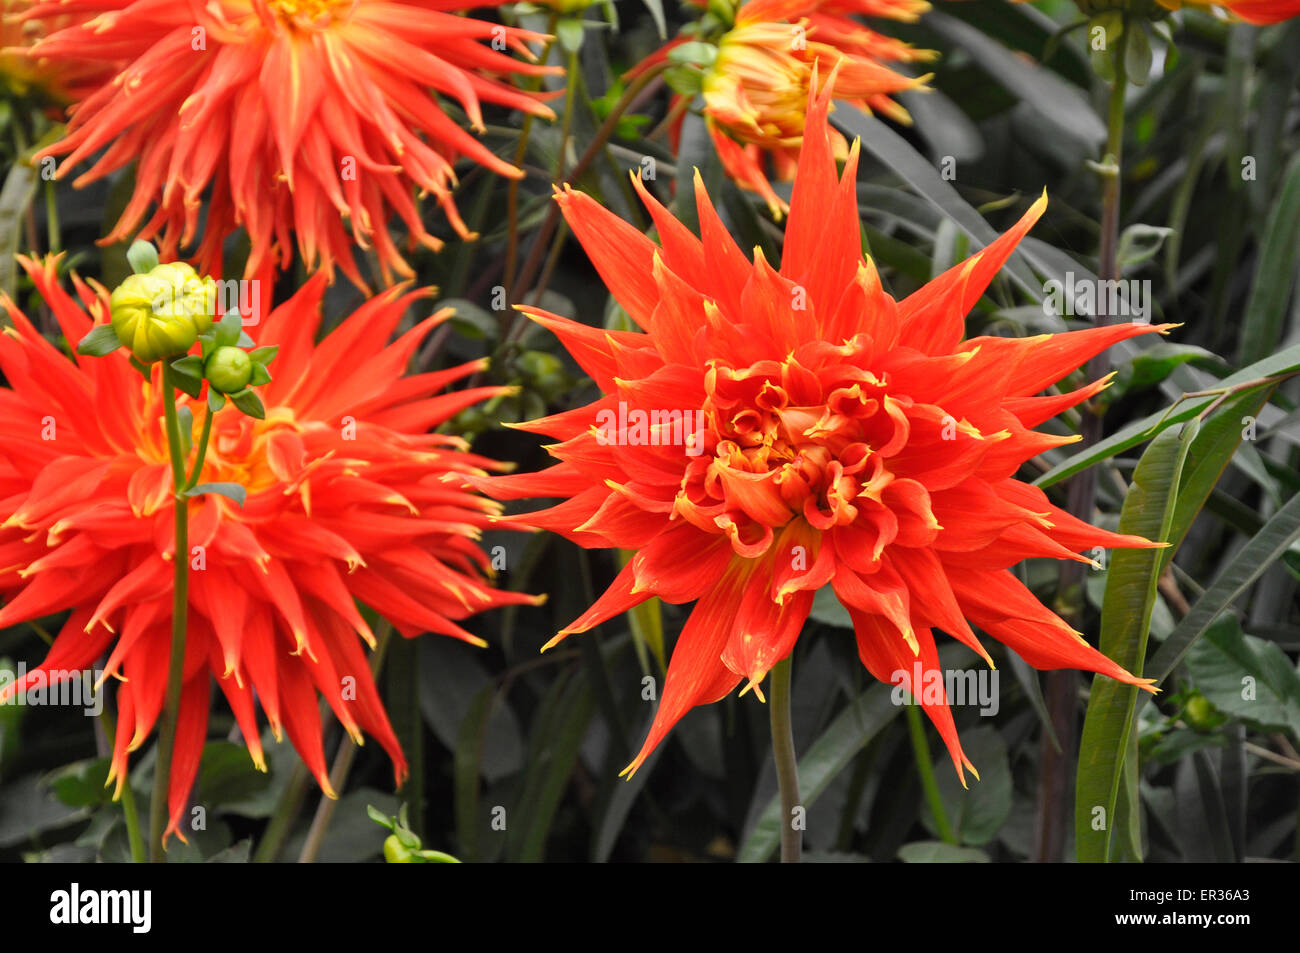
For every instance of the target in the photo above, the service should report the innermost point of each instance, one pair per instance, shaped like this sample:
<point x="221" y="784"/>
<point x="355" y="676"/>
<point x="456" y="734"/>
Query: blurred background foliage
<point x="515" y="755"/>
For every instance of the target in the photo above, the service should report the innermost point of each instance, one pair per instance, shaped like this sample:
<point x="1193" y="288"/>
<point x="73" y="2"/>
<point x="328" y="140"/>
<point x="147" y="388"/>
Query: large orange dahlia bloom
<point x="347" y="498"/>
<point x="289" y="114"/>
<point x="756" y="90"/>
<point x="21" y="73"/>
<point x="775" y="431"/>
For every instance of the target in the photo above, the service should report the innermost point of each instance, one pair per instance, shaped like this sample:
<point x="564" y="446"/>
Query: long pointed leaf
<point x="1106" y="745"/>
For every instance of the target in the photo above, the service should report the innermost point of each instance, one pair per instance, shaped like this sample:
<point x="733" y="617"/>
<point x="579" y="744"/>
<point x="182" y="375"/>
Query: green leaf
<point x="100" y="341"/>
<point x="232" y="491"/>
<point x="848" y="734"/>
<point x="467" y="759"/>
<point x="570" y="33"/>
<point x="976" y="812"/>
<point x="1108" y="727"/>
<point x="1137" y="55"/>
<point x="227" y="775"/>
<point x="191" y="365"/>
<point x="647" y="624"/>
<point x="436" y="857"/>
<point x="379" y="817"/>
<point x="145" y="370"/>
<point x="193" y="386"/>
<point x="693" y="53"/>
<point x="915" y="169"/>
<point x="248" y="403"/>
<point x="1139" y="431"/>
<point x="216" y="400"/>
<point x="15" y="197"/>
<point x="81" y="784"/>
<point x="259" y="375"/>
<point x="1140" y="243"/>
<point x="620" y="804"/>
<point x="451" y="680"/>
<point x="1062" y="105"/>
<point x="555" y="752"/>
<point x="1211" y="451"/>
<point x="1246" y="676"/>
<point x="1149" y="367"/>
<point x="264" y="355"/>
<point x="1247" y="565"/>
<point x="142" y="257"/>
<point x="226" y="332"/>
<point x="352" y="837"/>
<point x="1279" y="252"/>
<point x="238" y="853"/>
<point x="828" y="610"/>
<point x="29" y="807"/>
<point x="937" y="852"/>
<point x="656" y="8"/>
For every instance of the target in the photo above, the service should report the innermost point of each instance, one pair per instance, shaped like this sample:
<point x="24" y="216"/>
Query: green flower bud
<point x="161" y="313"/>
<point x="395" y="852"/>
<point x="228" y="369"/>
<point x="1200" y="714"/>
<point x="187" y="293"/>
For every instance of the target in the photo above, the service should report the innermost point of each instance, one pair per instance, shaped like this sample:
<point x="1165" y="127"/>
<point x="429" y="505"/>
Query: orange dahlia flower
<point x="289" y="114"/>
<point x="775" y="431"/>
<point x="1260" y="12"/>
<point x="346" y="499"/>
<point x="21" y="73"/>
<point x="756" y="90"/>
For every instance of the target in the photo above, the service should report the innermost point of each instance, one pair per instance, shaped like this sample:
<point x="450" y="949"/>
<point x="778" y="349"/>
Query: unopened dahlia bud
<point x="228" y="369"/>
<point x="395" y="852"/>
<point x="162" y="312"/>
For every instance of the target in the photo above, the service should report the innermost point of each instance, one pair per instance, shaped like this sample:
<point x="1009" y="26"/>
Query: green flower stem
<point x="787" y="766"/>
<point x="281" y="823"/>
<point x="54" y="242"/>
<point x="180" y="612"/>
<point x="1062" y="686"/>
<point x="925" y="768"/>
<point x="132" y="814"/>
<point x="512" y="191"/>
<point x="594" y="148"/>
<point x="566" y="122"/>
<point x="203" y="450"/>
<point x="342" y="765"/>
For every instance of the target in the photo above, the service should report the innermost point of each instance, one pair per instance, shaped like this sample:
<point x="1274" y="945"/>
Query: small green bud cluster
<point x="160" y="311"/>
<point x="403" y="845"/>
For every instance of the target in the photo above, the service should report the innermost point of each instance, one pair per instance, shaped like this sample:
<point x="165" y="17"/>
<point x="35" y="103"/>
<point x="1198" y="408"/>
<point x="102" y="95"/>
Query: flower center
<point x="817" y="437"/>
<point x="311" y="13"/>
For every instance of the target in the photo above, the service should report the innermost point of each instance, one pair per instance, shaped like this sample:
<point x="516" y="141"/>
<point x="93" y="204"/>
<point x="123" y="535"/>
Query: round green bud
<point x="395" y="852"/>
<point x="228" y="369"/>
<point x="1199" y="713"/>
